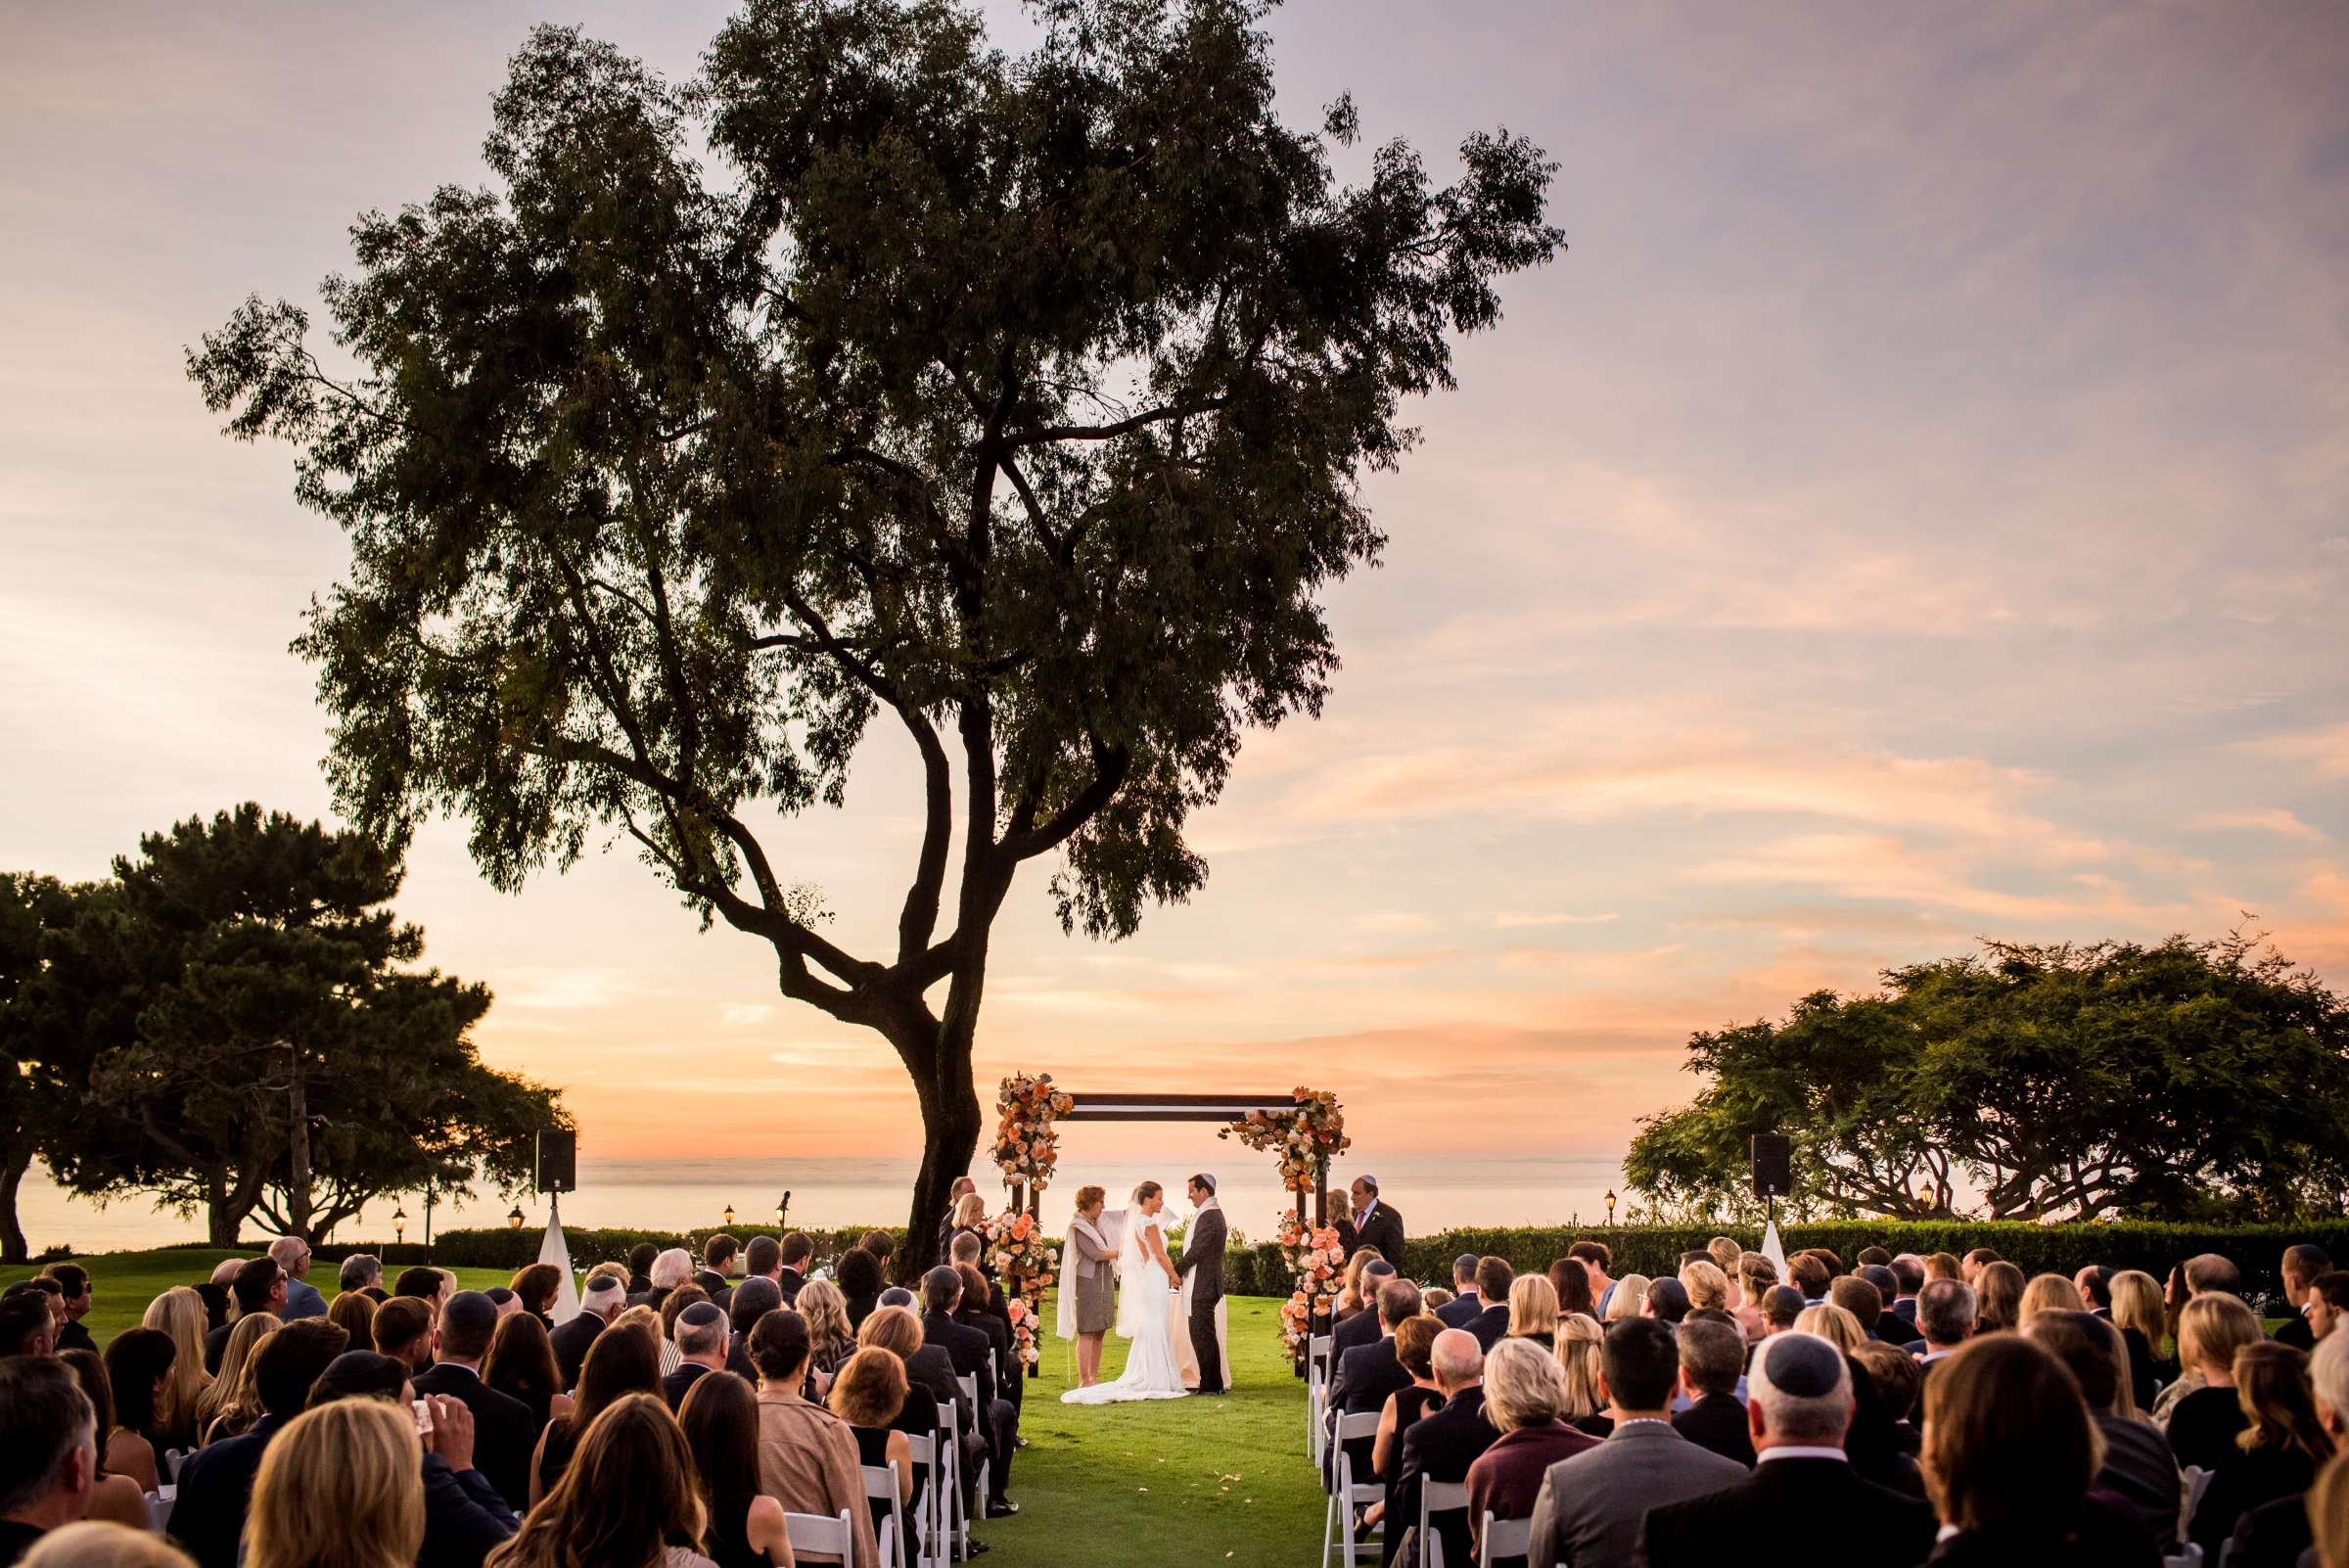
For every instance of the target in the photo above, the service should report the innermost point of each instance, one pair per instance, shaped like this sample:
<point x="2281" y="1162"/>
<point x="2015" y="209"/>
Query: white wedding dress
<point x="1143" y="1294"/>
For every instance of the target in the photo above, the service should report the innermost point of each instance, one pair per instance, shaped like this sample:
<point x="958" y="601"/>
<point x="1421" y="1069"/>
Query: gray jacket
<point x="1593" y="1504"/>
<point x="1203" y="1250"/>
<point x="1084" y="1259"/>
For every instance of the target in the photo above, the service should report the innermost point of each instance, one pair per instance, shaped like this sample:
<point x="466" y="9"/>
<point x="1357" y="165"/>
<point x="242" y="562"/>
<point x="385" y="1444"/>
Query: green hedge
<point x="513" y="1249"/>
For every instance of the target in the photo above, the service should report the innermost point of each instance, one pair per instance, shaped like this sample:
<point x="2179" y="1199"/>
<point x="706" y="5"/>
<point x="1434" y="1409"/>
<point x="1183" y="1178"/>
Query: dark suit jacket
<point x="1717" y="1422"/>
<point x="1459" y="1311"/>
<point x="1904" y="1308"/>
<point x="464" y="1517"/>
<point x="1383" y="1231"/>
<point x="679" y="1383"/>
<point x="215" y="1485"/>
<point x="503" y="1433"/>
<point x="75" y="1337"/>
<point x="789" y="1280"/>
<point x="970" y="1349"/>
<point x="2273" y="1534"/>
<point x="1490" y="1327"/>
<point x="570" y="1341"/>
<point x="1358" y="1330"/>
<point x="1706" y="1530"/>
<point x="2295" y="1332"/>
<point x="1203" y="1250"/>
<point x="931" y="1367"/>
<point x="717" y="1287"/>
<point x="1440" y="1447"/>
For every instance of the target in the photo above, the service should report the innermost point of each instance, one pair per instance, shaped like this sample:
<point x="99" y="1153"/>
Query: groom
<point x="1203" y="1250"/>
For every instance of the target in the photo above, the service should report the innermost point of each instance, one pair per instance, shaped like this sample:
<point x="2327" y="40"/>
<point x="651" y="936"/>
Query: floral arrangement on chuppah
<point x="1306" y="1139"/>
<point x="1027" y="1149"/>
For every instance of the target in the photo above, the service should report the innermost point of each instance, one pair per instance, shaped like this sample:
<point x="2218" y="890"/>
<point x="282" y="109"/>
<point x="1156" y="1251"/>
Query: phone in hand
<point x="423" y="1417"/>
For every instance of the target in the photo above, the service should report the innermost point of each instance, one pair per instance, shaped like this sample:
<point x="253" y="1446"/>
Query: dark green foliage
<point x="2180" y="1081"/>
<point x="589" y="1245"/>
<point x="1021" y="403"/>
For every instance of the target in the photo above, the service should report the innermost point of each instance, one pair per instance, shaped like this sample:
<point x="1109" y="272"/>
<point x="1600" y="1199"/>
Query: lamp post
<point x="729" y="1216"/>
<point x="783" y="1210"/>
<point x="514" y="1217"/>
<point x="400" y="1224"/>
<point x="1609" y="1201"/>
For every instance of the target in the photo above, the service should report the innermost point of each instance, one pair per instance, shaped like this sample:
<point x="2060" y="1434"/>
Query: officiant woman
<point x="1090" y="1276"/>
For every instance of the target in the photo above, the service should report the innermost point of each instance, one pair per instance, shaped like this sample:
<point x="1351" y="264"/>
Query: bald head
<point x="1457" y="1359"/>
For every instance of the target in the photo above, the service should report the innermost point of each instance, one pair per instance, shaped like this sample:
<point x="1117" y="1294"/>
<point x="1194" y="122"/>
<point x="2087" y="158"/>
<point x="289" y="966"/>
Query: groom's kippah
<point x="1206" y="1181"/>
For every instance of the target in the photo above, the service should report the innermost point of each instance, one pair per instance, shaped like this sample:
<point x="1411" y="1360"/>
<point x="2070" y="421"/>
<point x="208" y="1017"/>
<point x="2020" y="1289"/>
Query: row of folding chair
<point x="1496" y="1539"/>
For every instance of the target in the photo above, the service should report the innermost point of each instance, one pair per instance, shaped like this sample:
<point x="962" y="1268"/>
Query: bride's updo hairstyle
<point x="1145" y="1192"/>
<point x="1086" y="1197"/>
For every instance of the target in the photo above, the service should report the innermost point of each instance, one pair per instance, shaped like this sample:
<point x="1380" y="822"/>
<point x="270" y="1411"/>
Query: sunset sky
<point x="1914" y="509"/>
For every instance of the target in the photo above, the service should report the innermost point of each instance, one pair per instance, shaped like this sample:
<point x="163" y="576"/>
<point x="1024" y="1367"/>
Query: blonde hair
<point x="969" y="1210"/>
<point x="343" y="1489"/>
<point x="234" y="1394"/>
<point x="179" y="1313"/>
<point x="2212" y="1328"/>
<point x="1523" y="1386"/>
<point x="1349" y="1289"/>
<point x="1832" y="1323"/>
<point x="97" y="1544"/>
<point x="2047" y="1293"/>
<point x="1577" y="1352"/>
<point x="1630" y="1296"/>
<point x="1706" y="1284"/>
<point x="2327" y="1512"/>
<point x="891" y="1328"/>
<point x="1534" y="1306"/>
<point x="827" y="1313"/>
<point x="1725" y="1254"/>
<point x="2137" y="1303"/>
<point x="1341" y="1207"/>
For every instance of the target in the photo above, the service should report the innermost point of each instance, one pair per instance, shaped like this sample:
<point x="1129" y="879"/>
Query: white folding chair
<point x="983" y="1423"/>
<point x="1505" y="1538"/>
<point x="924" y="1527"/>
<point x="880" y="1482"/>
<point x="814" y="1531"/>
<point x="1317" y="1394"/>
<point x="2197" y="1482"/>
<point x="1337" y="1531"/>
<point x="173" y="1458"/>
<point x="2189" y="1556"/>
<point x="955" y="1515"/>
<point x="1438" y="1496"/>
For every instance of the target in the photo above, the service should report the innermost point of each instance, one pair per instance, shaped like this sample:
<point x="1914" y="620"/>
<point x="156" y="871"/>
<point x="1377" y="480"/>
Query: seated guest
<point x="74" y="1296"/>
<point x="1368" y="1374"/>
<point x="522" y="1365"/>
<point x="2275" y="1534"/>
<point x="2009" y="1457"/>
<point x="49" y="1462"/>
<point x="1582" y="1396"/>
<point x="1352" y="1290"/>
<point x="217" y="1305"/>
<point x="629" y="1497"/>
<point x="1756" y="1276"/>
<point x="1893" y="1373"/>
<point x="1443" y="1445"/>
<point x="345" y="1490"/>
<point x="798" y="1254"/>
<point x="2093" y="1281"/>
<point x="427" y="1285"/>
<point x="2207" y="1273"/>
<point x="353" y="1312"/>
<point x="292" y="1255"/>
<point x="403" y="1330"/>
<point x="1414" y="1343"/>
<point x="1591" y="1505"/>
<point x="751" y="1301"/>
<point x="139" y="1362"/>
<point x="1782" y="1304"/>
<point x="859" y="1282"/>
<point x="2327" y="1300"/>
<point x="1524" y="1394"/>
<point x="624" y="1359"/>
<point x="745" y="1527"/>
<point x="1596" y="1259"/>
<point x="1888" y="1287"/>
<point x="868" y="1395"/>
<point x="1708" y="1288"/>
<point x="1712" y="1360"/>
<point x="95" y="1543"/>
<point x="216" y="1483"/>
<point x="599" y="1304"/>
<point x="1434" y="1299"/>
<point x="882" y="1245"/>
<point x="897" y="1331"/>
<point x="973" y="1356"/>
<point x="362" y="1273"/>
<point x="114" y="1497"/>
<point x="1908" y="1278"/>
<point x="721" y="1255"/>
<point x="1570" y="1286"/>
<point x="640" y="1267"/>
<point x="1944" y="1265"/>
<point x="806" y="1455"/>
<point x="701" y="1341"/>
<point x="1861" y="1300"/>
<point x="670" y="1268"/>
<point x="2204" y="1423"/>
<point x="1627" y="1298"/>
<point x="1495" y="1281"/>
<point x="464" y="1517"/>
<point x="2139" y="1470"/>
<point x="1359" y="1329"/>
<point x="1807" y="1273"/>
<point x="977" y="1311"/>
<point x="1534" y="1308"/>
<point x="504" y="1300"/>
<point x="671" y="1306"/>
<point x="1668" y="1302"/>
<point x="503" y="1428"/>
<point x="1832" y="1323"/>
<point x="1799" y="1404"/>
<point x="2047" y="1293"/>
<point x="1998" y="1297"/>
<point x="2138" y="1313"/>
<point x="1945" y="1318"/>
<point x="536" y="1287"/>
<point x="259" y="1287"/>
<point x="1970" y="1266"/>
<point x="231" y="1404"/>
<point x="2301" y="1266"/>
<point x="2278" y="1451"/>
<point x="1465" y="1304"/>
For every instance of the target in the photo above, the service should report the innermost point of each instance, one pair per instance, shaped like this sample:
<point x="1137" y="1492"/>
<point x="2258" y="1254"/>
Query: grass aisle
<point x="1176" y="1482"/>
<point x="1172" y="1482"/>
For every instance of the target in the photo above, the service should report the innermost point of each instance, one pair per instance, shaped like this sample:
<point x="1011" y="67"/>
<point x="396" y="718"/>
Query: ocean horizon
<point x="1430" y="1192"/>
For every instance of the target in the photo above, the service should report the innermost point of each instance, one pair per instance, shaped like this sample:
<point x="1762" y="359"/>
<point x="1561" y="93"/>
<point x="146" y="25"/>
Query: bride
<point x="1148" y="1280"/>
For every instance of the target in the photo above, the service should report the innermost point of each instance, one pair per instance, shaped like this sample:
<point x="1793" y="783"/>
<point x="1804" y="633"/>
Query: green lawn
<point x="1198" y="1481"/>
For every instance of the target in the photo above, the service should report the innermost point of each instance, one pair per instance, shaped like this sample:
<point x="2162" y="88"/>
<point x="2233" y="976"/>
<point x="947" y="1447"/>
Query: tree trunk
<point x="298" y="1149"/>
<point x="222" y="1220"/>
<point x="950" y="1125"/>
<point x="13" y="1166"/>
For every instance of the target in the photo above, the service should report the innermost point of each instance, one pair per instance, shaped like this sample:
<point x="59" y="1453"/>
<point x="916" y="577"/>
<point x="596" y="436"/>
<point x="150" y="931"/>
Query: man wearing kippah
<point x="1376" y="1223"/>
<point x="603" y="1300"/>
<point x="1798" y="1406"/>
<point x="701" y="1342"/>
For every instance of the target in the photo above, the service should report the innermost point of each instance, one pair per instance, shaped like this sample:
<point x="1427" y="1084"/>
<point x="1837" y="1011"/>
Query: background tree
<point x="46" y="1062"/>
<point x="266" y="1048"/>
<point x="1020" y="402"/>
<point x="2173" y="1081"/>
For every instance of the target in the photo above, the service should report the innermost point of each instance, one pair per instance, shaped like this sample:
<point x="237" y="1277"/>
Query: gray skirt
<point x="1096" y="1303"/>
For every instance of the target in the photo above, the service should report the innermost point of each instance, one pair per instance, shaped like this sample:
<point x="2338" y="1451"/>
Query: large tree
<point x="44" y="1054"/>
<point x="259" y="1041"/>
<point x="1022" y="403"/>
<point x="2026" y="1081"/>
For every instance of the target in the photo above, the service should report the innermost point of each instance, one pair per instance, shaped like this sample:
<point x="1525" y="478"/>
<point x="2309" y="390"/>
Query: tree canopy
<point x="2025" y="1081"/>
<point x="1022" y="403"/>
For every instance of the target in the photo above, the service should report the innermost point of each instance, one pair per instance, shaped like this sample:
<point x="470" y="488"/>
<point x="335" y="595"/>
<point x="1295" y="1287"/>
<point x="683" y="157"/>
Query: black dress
<point x="561" y="1438"/>
<point x="1412" y="1404"/>
<point x="873" y="1449"/>
<point x="2247" y="1479"/>
<point x="729" y="1544"/>
<point x="2204" y="1425"/>
<point x="917" y="1417"/>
